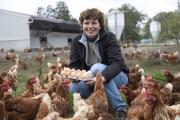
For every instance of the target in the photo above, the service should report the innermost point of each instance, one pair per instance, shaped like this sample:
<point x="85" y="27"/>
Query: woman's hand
<point x="90" y="81"/>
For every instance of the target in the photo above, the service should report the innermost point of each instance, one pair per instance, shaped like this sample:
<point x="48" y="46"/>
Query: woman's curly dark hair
<point x="93" y="13"/>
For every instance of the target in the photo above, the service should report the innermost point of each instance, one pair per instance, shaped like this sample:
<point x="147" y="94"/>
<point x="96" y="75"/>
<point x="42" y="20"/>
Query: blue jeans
<point x="111" y="88"/>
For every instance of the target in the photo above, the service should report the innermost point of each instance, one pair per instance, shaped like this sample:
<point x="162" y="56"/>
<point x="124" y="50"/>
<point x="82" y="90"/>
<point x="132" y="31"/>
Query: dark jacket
<point x="109" y="51"/>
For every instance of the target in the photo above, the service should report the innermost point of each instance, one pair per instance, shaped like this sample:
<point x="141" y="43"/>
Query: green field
<point x="151" y="65"/>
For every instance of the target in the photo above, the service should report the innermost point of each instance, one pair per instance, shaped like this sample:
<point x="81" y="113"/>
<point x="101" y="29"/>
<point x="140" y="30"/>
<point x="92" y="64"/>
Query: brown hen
<point x="29" y="90"/>
<point x="98" y="100"/>
<point x="21" y="108"/>
<point x="154" y="106"/>
<point x="60" y="99"/>
<point x="130" y="94"/>
<point x="2" y="111"/>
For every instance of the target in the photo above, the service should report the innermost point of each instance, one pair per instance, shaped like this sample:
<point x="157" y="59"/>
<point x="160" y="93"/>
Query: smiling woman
<point x="91" y="27"/>
<point x="98" y="51"/>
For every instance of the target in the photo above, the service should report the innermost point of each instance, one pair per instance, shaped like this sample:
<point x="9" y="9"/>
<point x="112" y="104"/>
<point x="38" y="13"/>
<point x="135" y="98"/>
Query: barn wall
<point x="18" y="45"/>
<point x="14" y="30"/>
<point x="35" y="42"/>
<point x="54" y="39"/>
<point x="57" y="40"/>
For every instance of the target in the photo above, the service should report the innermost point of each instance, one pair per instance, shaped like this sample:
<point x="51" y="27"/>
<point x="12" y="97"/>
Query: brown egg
<point x="78" y="75"/>
<point x="72" y="74"/>
<point x="83" y="71"/>
<point x="84" y="75"/>
<point x="67" y="73"/>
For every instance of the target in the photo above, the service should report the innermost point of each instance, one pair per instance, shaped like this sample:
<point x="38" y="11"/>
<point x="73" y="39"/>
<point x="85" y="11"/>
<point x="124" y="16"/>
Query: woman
<point x="98" y="51"/>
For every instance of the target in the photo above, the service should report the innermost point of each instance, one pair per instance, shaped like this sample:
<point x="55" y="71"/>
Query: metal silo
<point x="116" y="22"/>
<point x="155" y="29"/>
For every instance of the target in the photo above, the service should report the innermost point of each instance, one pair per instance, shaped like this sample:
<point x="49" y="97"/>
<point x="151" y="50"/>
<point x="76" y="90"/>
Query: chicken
<point x="27" y="50"/>
<point x="21" y="64"/>
<point x="5" y="88"/>
<point x="135" y="78"/>
<point x="40" y="49"/>
<point x="169" y="76"/>
<point x="45" y="107"/>
<point x="2" y="111"/>
<point x="149" y="104"/>
<point x="52" y="116"/>
<point x="40" y="58"/>
<point x="166" y="93"/>
<point x="175" y="98"/>
<point x="1" y="92"/>
<point x="169" y="57"/>
<point x="12" y="72"/>
<point x="98" y="100"/>
<point x="135" y="69"/>
<point x="53" y="53"/>
<point x="29" y="90"/>
<point x="130" y="94"/>
<point x="175" y="80"/>
<point x="50" y="87"/>
<point x="80" y="107"/>
<point x="61" y="63"/>
<point x="105" y="116"/>
<point x="1" y="78"/>
<point x="154" y="106"/>
<point x="60" y="100"/>
<point x="95" y="107"/>
<point x="50" y="75"/>
<point x="56" y="53"/>
<point x="11" y="77"/>
<point x="54" y="68"/>
<point x="20" y="108"/>
<point x="135" y="111"/>
<point x="175" y="109"/>
<point x="11" y="56"/>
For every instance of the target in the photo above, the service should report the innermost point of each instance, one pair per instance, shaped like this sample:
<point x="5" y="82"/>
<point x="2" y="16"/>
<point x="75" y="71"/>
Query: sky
<point x="149" y="7"/>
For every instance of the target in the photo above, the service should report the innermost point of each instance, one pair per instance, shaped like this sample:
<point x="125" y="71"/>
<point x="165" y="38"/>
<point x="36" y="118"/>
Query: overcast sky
<point x="149" y="7"/>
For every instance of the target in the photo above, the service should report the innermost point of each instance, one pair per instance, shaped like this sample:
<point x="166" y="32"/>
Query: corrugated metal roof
<point x="55" y="25"/>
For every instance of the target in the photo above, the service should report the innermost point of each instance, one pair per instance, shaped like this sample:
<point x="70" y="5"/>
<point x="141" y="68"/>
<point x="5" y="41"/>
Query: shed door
<point x="43" y="42"/>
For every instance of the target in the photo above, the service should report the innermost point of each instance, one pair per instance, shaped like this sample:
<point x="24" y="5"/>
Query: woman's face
<point x="91" y="27"/>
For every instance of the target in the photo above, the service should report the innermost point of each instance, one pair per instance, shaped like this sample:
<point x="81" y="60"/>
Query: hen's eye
<point x="145" y="87"/>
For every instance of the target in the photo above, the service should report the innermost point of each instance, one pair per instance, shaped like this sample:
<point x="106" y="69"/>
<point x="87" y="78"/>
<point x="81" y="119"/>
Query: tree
<point x="49" y="11"/>
<point x="133" y="18"/>
<point x="173" y="24"/>
<point x="40" y="11"/>
<point x="60" y="11"/>
<point x="170" y="25"/>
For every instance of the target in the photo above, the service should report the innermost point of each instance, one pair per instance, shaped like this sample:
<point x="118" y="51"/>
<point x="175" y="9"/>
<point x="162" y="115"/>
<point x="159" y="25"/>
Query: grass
<point x="151" y="66"/>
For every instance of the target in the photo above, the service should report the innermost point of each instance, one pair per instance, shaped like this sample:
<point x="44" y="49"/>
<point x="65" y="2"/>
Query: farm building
<point x="19" y="31"/>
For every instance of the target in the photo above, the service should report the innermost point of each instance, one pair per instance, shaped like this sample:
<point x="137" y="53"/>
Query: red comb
<point x="148" y="78"/>
<point x="146" y="93"/>
<point x="33" y="76"/>
<point x="165" y="70"/>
